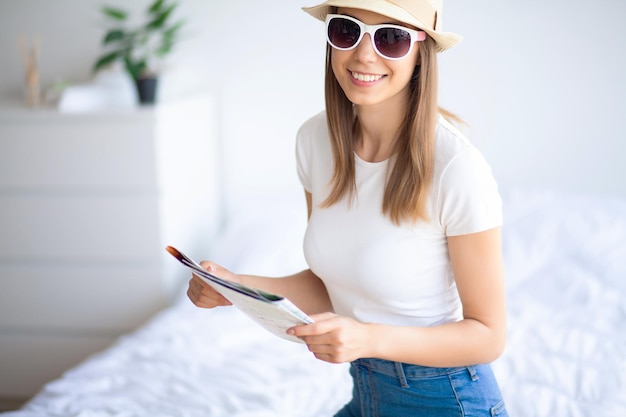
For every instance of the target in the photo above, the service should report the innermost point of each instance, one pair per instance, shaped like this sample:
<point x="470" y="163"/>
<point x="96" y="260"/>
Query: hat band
<point x="422" y="10"/>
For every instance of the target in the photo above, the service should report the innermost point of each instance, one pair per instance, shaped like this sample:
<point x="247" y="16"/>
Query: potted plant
<point x="141" y="48"/>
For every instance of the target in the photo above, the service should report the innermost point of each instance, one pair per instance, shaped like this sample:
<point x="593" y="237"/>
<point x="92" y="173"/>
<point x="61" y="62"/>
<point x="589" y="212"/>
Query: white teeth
<point x="366" y="77"/>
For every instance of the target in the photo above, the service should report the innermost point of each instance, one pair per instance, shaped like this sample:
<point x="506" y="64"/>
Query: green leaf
<point x="134" y="68"/>
<point x="170" y="32"/>
<point x="114" y="35"/>
<point x="134" y="46"/>
<point x="160" y="19"/>
<point x="167" y="39"/>
<point x="156" y="6"/>
<point x="164" y="49"/>
<point x="114" y="13"/>
<point x="106" y="60"/>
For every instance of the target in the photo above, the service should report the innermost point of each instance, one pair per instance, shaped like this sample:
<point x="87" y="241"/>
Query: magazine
<point x="273" y="312"/>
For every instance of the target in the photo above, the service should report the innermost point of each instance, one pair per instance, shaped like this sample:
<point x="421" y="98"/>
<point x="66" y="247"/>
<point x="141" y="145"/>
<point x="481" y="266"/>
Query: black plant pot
<point x="146" y="88"/>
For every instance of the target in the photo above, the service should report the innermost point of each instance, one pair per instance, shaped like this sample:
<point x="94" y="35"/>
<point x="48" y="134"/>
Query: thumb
<point x="323" y="316"/>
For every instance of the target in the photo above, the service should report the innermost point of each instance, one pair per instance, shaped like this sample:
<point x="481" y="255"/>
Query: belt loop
<point x="401" y="375"/>
<point x="472" y="372"/>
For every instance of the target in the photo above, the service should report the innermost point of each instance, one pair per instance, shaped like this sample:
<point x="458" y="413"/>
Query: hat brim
<point x="443" y="40"/>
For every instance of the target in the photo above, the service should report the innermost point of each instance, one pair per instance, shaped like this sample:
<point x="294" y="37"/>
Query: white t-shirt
<point x="374" y="270"/>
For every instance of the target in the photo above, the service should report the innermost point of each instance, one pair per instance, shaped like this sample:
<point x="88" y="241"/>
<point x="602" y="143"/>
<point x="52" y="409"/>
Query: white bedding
<point x="565" y="258"/>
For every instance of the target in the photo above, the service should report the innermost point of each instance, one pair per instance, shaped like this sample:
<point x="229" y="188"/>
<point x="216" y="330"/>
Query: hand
<point x="334" y="338"/>
<point x="202" y="294"/>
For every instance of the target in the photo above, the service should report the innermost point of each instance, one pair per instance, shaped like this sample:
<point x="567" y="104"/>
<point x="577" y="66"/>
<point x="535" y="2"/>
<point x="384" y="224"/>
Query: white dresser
<point x="87" y="204"/>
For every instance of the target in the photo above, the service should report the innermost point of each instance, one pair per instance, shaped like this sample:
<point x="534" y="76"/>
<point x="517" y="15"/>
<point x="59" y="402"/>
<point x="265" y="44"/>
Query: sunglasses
<point x="389" y="41"/>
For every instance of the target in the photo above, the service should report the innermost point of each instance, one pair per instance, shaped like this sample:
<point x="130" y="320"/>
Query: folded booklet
<point x="271" y="311"/>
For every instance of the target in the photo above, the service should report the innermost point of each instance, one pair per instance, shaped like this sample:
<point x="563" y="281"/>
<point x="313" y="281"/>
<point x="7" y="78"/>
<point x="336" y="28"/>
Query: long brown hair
<point x="410" y="175"/>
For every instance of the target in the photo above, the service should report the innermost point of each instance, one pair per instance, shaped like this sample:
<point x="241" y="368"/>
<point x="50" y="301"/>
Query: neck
<point x="379" y="126"/>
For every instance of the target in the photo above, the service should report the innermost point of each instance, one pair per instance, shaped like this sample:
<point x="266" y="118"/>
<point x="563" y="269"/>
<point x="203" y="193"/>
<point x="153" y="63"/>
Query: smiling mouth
<point x="368" y="78"/>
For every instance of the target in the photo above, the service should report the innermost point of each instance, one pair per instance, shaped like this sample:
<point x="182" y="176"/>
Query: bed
<point x="565" y="257"/>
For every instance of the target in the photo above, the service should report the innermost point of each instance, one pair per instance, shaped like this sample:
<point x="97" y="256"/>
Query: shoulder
<point x="465" y="192"/>
<point x="454" y="153"/>
<point x="313" y="135"/>
<point x="450" y="142"/>
<point x="313" y="151"/>
<point x="314" y="126"/>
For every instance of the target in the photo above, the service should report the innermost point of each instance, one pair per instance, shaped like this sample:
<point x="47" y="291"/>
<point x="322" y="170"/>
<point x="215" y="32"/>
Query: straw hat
<point x="423" y="14"/>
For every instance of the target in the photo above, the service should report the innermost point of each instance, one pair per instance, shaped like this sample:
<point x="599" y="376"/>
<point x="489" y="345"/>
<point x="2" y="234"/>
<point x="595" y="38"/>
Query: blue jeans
<point x="393" y="389"/>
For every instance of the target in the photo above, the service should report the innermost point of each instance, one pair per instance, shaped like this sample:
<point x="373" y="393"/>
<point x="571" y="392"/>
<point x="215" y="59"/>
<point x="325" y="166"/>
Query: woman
<point x="403" y="239"/>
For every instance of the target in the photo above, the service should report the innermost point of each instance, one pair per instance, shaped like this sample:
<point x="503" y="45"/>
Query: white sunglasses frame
<point x="416" y="35"/>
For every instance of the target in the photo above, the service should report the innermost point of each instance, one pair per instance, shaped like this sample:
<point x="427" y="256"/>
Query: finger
<point x="213" y="268"/>
<point x="200" y="285"/>
<point x="202" y="288"/>
<point x="315" y="329"/>
<point x="209" y="266"/>
<point x="209" y="295"/>
<point x="195" y="289"/>
<point x="194" y="294"/>
<point x="327" y="353"/>
<point x="330" y="358"/>
<point x="321" y="343"/>
<point x="323" y="316"/>
<point x="203" y="295"/>
<point x="219" y="271"/>
<point x="309" y="329"/>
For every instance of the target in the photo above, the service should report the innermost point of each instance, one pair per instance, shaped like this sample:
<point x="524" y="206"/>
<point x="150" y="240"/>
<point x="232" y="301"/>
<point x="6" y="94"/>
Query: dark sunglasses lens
<point x="343" y="33"/>
<point x="393" y="42"/>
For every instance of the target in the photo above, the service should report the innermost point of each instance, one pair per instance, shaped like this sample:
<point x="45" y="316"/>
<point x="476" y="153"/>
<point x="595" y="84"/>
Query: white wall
<point x="541" y="83"/>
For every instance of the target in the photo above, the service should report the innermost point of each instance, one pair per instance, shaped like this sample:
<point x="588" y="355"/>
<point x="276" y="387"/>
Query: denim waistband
<point x="405" y="370"/>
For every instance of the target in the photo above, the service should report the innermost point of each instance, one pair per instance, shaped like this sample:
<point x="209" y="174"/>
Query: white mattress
<point x="566" y="277"/>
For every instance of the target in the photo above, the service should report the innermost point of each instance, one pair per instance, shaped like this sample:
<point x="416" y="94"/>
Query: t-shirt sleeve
<point x="469" y="201"/>
<point x="303" y="158"/>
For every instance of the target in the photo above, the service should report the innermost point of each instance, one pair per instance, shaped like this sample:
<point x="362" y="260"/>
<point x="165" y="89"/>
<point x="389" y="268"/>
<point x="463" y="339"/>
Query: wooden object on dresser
<point x="88" y="203"/>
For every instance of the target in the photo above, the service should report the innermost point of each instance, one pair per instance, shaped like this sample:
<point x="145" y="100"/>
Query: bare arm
<point x="304" y="289"/>
<point x="478" y="338"/>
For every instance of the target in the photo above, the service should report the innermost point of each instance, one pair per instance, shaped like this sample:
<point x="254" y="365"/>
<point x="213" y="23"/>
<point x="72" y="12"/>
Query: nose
<point x="365" y="49"/>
